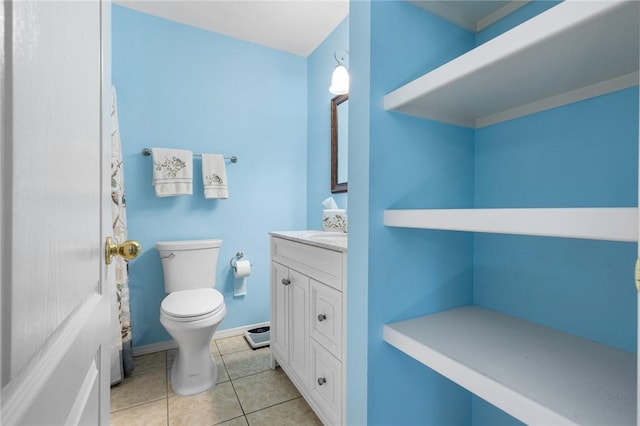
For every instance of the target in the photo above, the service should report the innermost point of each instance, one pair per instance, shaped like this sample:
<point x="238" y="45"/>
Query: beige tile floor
<point x="248" y="392"/>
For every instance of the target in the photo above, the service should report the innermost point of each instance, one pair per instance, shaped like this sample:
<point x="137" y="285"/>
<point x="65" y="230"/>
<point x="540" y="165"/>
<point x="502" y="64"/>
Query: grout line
<point x="275" y="405"/>
<point x="249" y="375"/>
<point x="137" y="405"/>
<point x="244" y="414"/>
<point x="246" y="375"/>
<point x="238" y="398"/>
<point x="225" y="367"/>
<point x="225" y="421"/>
<point x="263" y="408"/>
<point x="256" y="373"/>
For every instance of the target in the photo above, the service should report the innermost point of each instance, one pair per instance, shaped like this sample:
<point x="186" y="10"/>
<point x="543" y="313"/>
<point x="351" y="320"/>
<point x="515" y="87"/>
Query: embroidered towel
<point x="172" y="172"/>
<point x="214" y="176"/>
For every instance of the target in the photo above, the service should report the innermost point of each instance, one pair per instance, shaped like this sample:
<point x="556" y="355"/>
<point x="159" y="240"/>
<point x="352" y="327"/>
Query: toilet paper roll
<point x="242" y="269"/>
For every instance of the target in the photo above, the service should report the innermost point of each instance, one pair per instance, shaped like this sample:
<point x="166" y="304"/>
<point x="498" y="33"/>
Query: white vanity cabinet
<point x="308" y="278"/>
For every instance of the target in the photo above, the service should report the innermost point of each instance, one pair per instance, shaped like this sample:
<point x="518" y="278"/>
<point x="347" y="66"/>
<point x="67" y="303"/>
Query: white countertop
<point x="329" y="240"/>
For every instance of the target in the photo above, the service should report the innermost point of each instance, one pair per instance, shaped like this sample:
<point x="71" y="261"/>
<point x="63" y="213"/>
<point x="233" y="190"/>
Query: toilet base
<point x="194" y="369"/>
<point x="193" y="373"/>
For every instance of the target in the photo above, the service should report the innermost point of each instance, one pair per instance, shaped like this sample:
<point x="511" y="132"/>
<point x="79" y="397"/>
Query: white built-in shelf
<point x="573" y="51"/>
<point x="536" y="374"/>
<point x="472" y="15"/>
<point x="599" y="223"/>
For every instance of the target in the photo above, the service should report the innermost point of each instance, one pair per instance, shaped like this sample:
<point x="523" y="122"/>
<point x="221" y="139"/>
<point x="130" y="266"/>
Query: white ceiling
<point x="295" y="26"/>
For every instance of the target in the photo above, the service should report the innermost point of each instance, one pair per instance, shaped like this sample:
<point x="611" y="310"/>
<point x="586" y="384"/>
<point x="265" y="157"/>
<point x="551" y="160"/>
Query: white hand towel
<point x="214" y="176"/>
<point x="172" y="172"/>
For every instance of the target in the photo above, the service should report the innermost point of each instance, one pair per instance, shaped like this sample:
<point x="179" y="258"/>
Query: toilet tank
<point x="189" y="264"/>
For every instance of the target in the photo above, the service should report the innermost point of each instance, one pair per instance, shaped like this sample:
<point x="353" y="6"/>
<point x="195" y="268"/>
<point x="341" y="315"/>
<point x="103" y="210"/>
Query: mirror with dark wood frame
<point x="339" y="143"/>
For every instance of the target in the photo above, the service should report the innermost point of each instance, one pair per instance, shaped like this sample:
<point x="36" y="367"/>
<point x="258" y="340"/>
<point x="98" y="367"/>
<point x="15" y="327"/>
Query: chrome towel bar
<point x="147" y="152"/>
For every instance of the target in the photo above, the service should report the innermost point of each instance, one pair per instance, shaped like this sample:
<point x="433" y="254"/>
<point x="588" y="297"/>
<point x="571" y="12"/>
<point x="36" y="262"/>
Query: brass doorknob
<point x="130" y="249"/>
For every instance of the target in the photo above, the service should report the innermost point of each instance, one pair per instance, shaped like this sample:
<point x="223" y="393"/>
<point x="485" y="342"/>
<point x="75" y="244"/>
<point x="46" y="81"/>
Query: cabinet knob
<point x="321" y="381"/>
<point x="322" y="317"/>
<point x="286" y="281"/>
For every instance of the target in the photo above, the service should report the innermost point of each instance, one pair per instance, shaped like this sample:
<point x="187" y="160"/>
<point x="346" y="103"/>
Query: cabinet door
<point x="326" y="317"/>
<point x="280" y="312"/>
<point x="299" y="325"/>
<point x="326" y="382"/>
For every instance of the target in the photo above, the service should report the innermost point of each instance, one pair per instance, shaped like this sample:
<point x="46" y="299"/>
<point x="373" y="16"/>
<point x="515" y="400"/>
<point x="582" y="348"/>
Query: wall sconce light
<point x="340" y="76"/>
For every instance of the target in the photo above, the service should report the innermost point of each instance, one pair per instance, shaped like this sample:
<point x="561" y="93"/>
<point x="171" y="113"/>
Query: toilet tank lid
<point x="188" y="244"/>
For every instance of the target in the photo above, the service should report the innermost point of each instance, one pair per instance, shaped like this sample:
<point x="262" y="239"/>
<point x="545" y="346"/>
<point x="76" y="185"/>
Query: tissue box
<point x="334" y="220"/>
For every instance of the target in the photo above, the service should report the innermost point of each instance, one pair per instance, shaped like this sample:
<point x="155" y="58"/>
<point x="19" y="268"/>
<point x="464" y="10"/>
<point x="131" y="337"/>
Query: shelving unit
<point x="475" y="17"/>
<point x="611" y="224"/>
<point x="573" y="51"/>
<point x="536" y="374"/>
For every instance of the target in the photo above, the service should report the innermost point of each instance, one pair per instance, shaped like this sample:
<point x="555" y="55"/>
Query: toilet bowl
<point x="192" y="311"/>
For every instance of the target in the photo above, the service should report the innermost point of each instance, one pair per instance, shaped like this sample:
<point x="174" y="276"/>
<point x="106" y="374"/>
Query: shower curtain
<point x="121" y="348"/>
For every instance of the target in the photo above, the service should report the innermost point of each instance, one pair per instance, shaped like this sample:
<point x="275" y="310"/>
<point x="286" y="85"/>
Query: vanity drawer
<point x="326" y="317"/>
<point x="321" y="264"/>
<point x="326" y="382"/>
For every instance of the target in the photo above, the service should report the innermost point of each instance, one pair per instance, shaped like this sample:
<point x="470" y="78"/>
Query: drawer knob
<point x="321" y="381"/>
<point x="286" y="281"/>
<point x="322" y="317"/>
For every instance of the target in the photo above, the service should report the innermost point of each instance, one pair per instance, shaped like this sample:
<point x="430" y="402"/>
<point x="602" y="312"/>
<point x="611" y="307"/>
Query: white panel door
<point x="299" y="325"/>
<point x="55" y="212"/>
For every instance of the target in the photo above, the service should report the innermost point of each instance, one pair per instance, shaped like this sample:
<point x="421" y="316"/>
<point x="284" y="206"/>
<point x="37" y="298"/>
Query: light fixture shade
<point x="339" y="80"/>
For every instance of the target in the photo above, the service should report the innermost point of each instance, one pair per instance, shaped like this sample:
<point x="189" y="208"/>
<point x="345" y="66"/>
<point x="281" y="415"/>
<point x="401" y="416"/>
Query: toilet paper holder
<point x="232" y="262"/>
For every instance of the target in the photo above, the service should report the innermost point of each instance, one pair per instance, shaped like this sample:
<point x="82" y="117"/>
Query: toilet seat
<point x="192" y="305"/>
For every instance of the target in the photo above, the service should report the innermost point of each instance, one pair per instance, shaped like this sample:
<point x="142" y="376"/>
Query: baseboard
<point x="171" y="344"/>
<point x="238" y="331"/>
<point x="154" y="347"/>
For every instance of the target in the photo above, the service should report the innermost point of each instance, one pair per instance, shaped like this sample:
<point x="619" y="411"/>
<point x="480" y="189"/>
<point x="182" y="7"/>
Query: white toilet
<point x="192" y="311"/>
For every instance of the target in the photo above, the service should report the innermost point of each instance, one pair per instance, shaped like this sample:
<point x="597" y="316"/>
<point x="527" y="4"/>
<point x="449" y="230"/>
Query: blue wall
<point x="413" y="163"/>
<point x="359" y="166"/>
<point x="320" y="66"/>
<point x="183" y="87"/>
<point x="584" y="154"/>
